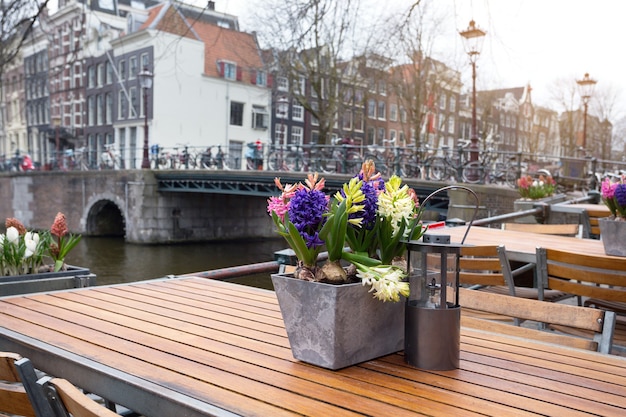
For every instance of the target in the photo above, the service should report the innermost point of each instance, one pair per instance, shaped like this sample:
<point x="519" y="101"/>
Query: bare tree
<point x="17" y="20"/>
<point x="312" y="43"/>
<point x="564" y="95"/>
<point x="418" y="80"/>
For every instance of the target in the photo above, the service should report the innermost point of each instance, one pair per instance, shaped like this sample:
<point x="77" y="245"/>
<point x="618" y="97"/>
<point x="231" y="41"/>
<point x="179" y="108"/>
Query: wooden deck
<point x="199" y="347"/>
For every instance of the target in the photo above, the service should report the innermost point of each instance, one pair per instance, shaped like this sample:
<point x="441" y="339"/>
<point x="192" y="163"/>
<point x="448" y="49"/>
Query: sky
<point x="528" y="41"/>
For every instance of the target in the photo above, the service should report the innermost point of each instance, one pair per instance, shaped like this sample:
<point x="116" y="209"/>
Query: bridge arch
<point x="105" y="217"/>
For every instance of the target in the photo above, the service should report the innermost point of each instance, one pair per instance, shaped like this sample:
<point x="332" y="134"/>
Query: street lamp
<point x="473" y="39"/>
<point x="586" y="86"/>
<point x="145" y="80"/>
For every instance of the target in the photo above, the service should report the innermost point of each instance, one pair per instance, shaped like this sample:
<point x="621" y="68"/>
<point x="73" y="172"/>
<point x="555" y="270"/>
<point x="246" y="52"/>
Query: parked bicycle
<point x="109" y="159"/>
<point x="450" y="166"/>
<point x="285" y="159"/>
<point x="389" y="159"/>
<point x="210" y="159"/>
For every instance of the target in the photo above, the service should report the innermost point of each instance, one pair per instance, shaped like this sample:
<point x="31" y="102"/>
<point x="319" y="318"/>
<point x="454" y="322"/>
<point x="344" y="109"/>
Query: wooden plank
<point x="524" y="308"/>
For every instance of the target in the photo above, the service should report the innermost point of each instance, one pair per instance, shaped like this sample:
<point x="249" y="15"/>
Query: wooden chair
<point x="589" y="220"/>
<point x="488" y="268"/>
<point x="585" y="276"/>
<point x="573" y="229"/>
<point x="17" y="378"/>
<point x="66" y="399"/>
<point x="599" y="324"/>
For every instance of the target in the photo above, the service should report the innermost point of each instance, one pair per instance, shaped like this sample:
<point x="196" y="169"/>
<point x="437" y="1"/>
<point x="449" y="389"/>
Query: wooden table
<point x="198" y="347"/>
<point x="593" y="207"/>
<point x="521" y="246"/>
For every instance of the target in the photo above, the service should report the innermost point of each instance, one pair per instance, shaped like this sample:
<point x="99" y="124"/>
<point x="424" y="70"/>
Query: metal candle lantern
<point x="432" y="313"/>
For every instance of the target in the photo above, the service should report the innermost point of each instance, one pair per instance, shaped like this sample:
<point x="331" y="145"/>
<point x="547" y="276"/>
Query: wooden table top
<point x="594" y="207"/>
<point x="198" y="347"/>
<point x="521" y="246"/>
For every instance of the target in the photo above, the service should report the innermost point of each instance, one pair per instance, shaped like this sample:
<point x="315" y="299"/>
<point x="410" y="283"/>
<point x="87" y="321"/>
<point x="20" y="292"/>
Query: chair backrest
<point x="600" y="323"/>
<point x="66" y="398"/>
<point x="581" y="275"/>
<point x="572" y="229"/>
<point x="14" y="398"/>
<point x="589" y="218"/>
<point x="483" y="266"/>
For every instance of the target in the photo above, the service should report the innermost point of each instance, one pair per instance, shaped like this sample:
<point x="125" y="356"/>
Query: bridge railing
<point x="570" y="172"/>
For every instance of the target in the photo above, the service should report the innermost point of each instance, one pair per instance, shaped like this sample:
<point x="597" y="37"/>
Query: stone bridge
<point x="160" y="207"/>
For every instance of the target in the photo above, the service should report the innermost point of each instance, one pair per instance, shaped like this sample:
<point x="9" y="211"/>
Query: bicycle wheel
<point x="353" y="162"/>
<point x="437" y="169"/>
<point x="294" y="162"/>
<point x="402" y="166"/>
<point x="510" y="176"/>
<point x="273" y="161"/>
<point x="472" y="173"/>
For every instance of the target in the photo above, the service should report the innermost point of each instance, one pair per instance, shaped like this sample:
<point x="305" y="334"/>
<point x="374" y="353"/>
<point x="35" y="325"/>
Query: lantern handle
<point x="455" y="187"/>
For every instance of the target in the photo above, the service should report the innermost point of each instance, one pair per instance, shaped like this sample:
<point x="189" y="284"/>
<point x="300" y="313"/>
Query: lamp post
<point x="473" y="39"/>
<point x="586" y="86"/>
<point x="145" y="79"/>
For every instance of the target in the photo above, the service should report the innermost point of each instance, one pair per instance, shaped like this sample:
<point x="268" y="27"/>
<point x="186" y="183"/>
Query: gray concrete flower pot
<point x="334" y="326"/>
<point x="613" y="233"/>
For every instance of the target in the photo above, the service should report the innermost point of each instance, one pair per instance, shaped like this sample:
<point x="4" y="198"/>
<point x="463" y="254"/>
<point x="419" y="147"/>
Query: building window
<point x="108" y="68"/>
<point x="382" y="88"/>
<point x="358" y="121"/>
<point x="451" y="124"/>
<point x="382" y="111"/>
<point x="91" y="75"/>
<point x="132" y="68"/>
<point x="442" y="101"/>
<point x="301" y="86"/>
<point x="122" y="105"/>
<point x="108" y="103"/>
<point x="347" y="120"/>
<point x="134" y="98"/>
<point x="393" y="112"/>
<point x="315" y="108"/>
<point x="370" y="136"/>
<point x="282" y="84"/>
<point x="296" y="135"/>
<point x="228" y="70"/>
<point x="100" y="74"/>
<point x="297" y="111"/>
<point x="371" y="108"/>
<point x="99" y="109"/>
<point x="452" y="104"/>
<point x="380" y="135"/>
<point x="236" y="113"/>
<point x="261" y="78"/>
<point x="121" y="69"/>
<point x="144" y="60"/>
<point x="91" y="108"/>
<point x="260" y="117"/>
<point x="280" y="130"/>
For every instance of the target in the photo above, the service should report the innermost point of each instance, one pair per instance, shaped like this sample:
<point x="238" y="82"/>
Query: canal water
<point x="115" y="261"/>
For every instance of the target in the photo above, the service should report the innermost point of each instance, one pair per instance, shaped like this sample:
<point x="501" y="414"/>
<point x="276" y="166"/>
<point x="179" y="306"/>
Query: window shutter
<point x="253" y="76"/>
<point x="220" y="66"/>
<point x="238" y="73"/>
